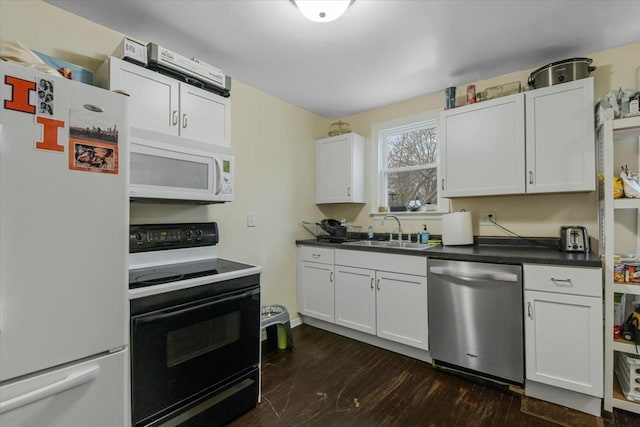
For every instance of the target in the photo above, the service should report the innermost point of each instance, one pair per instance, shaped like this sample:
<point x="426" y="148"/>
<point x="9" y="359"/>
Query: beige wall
<point x="275" y="157"/>
<point x="529" y="215"/>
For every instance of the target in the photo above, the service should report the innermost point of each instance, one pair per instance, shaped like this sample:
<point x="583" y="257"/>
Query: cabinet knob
<point x="184" y="121"/>
<point x="331" y="277"/>
<point x="529" y="310"/>
<point x="372" y="283"/>
<point x="442" y="184"/>
<point x="348" y="191"/>
<point x="378" y="284"/>
<point x="530" y="177"/>
<point x="174" y="118"/>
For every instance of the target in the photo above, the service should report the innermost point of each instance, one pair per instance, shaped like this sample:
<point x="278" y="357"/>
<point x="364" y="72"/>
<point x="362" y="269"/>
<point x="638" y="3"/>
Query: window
<point x="407" y="159"/>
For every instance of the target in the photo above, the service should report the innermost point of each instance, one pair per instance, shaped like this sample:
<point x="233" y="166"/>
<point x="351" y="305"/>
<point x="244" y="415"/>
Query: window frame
<point x="378" y="187"/>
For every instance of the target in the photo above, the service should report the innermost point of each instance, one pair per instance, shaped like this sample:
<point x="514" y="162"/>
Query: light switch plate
<point x="251" y="219"/>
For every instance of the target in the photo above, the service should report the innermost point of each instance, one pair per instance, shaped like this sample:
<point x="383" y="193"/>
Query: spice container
<point x="498" y="91"/>
<point x="471" y="94"/>
<point x="450" y="97"/>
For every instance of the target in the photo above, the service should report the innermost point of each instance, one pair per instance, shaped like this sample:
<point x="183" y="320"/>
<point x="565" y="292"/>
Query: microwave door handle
<point x="218" y="168"/>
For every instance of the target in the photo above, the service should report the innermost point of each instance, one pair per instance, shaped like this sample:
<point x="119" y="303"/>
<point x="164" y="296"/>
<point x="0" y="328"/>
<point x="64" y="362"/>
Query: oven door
<point x="182" y="352"/>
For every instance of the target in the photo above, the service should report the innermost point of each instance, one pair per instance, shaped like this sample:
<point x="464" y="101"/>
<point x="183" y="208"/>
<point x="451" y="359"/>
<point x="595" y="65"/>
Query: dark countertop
<point x="486" y="249"/>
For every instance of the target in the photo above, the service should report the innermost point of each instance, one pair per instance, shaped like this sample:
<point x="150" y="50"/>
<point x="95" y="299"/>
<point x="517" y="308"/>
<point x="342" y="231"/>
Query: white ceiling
<point x="379" y="52"/>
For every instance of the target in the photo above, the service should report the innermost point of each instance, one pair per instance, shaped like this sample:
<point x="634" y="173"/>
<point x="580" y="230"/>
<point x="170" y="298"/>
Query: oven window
<point x="200" y="338"/>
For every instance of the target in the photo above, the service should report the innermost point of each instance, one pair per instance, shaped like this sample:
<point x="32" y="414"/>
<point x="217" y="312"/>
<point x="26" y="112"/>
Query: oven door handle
<point x="145" y="318"/>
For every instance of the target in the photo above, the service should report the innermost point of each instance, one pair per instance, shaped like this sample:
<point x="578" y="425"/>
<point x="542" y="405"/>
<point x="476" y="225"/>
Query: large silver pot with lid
<point x="563" y="71"/>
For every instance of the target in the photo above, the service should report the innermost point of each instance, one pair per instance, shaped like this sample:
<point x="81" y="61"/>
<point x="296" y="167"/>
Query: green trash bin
<point x="275" y="319"/>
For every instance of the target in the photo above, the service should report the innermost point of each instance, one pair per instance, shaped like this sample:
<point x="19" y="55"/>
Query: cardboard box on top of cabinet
<point x="67" y="69"/>
<point x="132" y="51"/>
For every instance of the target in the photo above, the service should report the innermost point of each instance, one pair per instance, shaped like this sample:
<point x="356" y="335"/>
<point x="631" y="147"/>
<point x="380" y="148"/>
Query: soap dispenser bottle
<point x="370" y="233"/>
<point x="424" y="236"/>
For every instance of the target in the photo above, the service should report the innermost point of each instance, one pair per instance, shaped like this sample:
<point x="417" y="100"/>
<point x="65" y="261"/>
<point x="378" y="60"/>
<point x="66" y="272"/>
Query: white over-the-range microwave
<point x="170" y="169"/>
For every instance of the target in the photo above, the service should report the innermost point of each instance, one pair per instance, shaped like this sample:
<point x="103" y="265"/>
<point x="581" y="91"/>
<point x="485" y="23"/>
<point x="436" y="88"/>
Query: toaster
<point x="574" y="238"/>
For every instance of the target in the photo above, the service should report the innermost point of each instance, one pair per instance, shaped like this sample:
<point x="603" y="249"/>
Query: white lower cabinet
<point x="372" y="296"/>
<point x="316" y="283"/>
<point x="563" y="327"/>
<point x="356" y="298"/>
<point x="402" y="308"/>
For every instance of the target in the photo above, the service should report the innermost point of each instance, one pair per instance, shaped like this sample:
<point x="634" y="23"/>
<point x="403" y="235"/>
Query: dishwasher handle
<point x="474" y="275"/>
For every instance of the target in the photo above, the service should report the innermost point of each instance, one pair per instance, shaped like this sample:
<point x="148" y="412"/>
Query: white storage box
<point x="627" y="369"/>
<point x="132" y="51"/>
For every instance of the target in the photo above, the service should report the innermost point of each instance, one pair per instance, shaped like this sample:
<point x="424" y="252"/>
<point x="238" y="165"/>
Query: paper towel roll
<point x="456" y="229"/>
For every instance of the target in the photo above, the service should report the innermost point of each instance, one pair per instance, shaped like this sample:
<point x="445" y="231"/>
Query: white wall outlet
<point x="487" y="218"/>
<point x="251" y="219"/>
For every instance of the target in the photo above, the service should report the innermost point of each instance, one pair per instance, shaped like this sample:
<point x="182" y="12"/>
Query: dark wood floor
<point x="329" y="380"/>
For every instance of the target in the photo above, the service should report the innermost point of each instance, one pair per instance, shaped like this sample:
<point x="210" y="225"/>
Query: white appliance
<point x="193" y="71"/>
<point x="167" y="168"/>
<point x="63" y="252"/>
<point x="195" y="328"/>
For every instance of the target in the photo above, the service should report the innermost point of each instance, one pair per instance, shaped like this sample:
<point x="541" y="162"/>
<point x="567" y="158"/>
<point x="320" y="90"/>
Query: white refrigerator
<point x="63" y="252"/>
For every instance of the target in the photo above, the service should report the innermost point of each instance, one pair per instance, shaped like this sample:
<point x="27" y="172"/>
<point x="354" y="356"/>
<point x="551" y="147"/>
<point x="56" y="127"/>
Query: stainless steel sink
<point x="390" y="244"/>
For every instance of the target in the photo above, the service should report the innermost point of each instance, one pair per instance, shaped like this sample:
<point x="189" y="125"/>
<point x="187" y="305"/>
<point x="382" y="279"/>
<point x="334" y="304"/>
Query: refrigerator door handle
<point x="72" y="380"/>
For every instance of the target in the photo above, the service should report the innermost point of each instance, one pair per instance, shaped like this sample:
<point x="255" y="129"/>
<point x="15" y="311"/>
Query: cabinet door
<point x="356" y="298"/>
<point x="316" y="290"/>
<point x="563" y="341"/>
<point x="153" y="97"/>
<point x="204" y="116"/>
<point x="482" y="148"/>
<point x="340" y="169"/>
<point x="560" y="138"/>
<point x="402" y="308"/>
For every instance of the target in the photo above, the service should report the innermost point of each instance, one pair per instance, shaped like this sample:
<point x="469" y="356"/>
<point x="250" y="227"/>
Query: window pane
<point x="412" y="148"/>
<point x="414" y="185"/>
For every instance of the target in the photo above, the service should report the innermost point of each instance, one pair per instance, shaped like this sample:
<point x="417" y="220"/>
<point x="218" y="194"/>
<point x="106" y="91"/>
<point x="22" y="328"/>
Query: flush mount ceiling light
<point x="322" y="10"/>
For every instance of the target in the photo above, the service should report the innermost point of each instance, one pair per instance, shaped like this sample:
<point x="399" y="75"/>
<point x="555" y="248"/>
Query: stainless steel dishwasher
<point x="475" y="318"/>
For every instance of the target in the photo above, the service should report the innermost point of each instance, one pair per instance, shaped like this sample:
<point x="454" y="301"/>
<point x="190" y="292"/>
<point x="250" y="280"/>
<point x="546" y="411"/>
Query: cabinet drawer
<point x="316" y="254"/>
<point x="566" y="280"/>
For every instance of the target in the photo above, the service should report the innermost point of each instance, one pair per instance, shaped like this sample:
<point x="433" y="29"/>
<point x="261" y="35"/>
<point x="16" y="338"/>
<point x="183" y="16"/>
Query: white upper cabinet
<point x="204" y="116"/>
<point x="560" y="138"/>
<point x="482" y="148"/>
<point x="340" y="169"/>
<point x="540" y="141"/>
<point x="166" y="105"/>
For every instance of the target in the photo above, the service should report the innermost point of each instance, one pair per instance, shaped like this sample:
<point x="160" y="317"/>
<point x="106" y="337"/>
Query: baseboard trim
<point x="405" y="350"/>
<point x="571" y="399"/>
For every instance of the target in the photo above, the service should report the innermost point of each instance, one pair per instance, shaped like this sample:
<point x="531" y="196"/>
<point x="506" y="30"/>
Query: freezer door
<point x="63" y="228"/>
<point x="91" y="393"/>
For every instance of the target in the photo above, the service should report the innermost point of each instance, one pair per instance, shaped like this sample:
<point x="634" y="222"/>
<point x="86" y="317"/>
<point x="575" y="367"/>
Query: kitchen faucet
<point x="399" y="226"/>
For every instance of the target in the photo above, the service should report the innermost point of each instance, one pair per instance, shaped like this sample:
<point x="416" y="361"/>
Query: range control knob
<point x="139" y="236"/>
<point x="199" y="233"/>
<point x="188" y="233"/>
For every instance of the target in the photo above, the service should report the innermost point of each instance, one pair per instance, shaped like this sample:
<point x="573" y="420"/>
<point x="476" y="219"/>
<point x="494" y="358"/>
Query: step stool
<point x="275" y="319"/>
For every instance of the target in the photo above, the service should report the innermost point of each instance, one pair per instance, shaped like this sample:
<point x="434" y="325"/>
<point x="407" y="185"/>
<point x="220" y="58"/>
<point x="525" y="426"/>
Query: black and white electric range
<point x="195" y="327"/>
